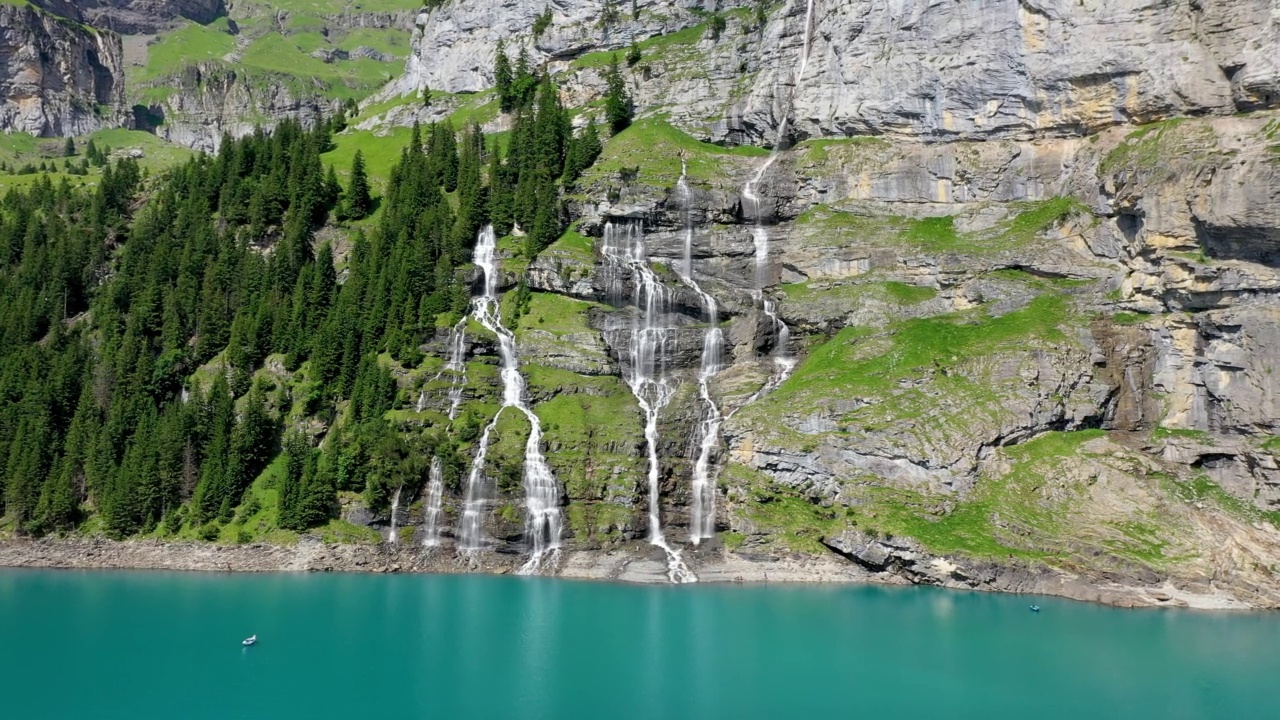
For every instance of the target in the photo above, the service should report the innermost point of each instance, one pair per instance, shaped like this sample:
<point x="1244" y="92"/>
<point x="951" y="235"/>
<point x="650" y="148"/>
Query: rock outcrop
<point x="1027" y="252"/>
<point x="58" y="76"/>
<point x="934" y="71"/>
<point x="212" y="100"/>
<point x="145" y="17"/>
<point x="307" y="70"/>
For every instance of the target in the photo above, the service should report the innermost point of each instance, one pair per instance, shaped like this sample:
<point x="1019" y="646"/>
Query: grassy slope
<point x="266" y="52"/>
<point x="18" y="149"/>
<point x="654" y="147"/>
<point x="591" y="423"/>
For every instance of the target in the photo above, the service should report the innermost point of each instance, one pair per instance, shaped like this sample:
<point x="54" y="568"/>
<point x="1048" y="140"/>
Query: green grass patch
<point x="479" y="108"/>
<point x="909" y="294"/>
<point x="190" y="44"/>
<point x="1029" y="524"/>
<point x="556" y="314"/>
<point x="1202" y="489"/>
<point x="844" y="295"/>
<point x="933" y="232"/>
<point x="819" y="150"/>
<point x="381" y="152"/>
<point x="573" y="243"/>
<point x="1128" y="318"/>
<point x="593" y="431"/>
<point x="652" y="148"/>
<point x="1144" y="148"/>
<point x="925" y="342"/>
<point x="597" y="521"/>
<point x="1165" y="433"/>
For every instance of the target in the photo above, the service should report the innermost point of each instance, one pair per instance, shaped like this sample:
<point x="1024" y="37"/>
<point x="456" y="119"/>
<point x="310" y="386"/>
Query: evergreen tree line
<point x="135" y="322"/>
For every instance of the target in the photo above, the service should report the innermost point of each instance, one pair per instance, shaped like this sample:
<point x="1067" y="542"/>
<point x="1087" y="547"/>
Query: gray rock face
<point x="213" y="100"/>
<point x="134" y="17"/>
<point x="1004" y="68"/>
<point x="59" y="77"/>
<point x="454" y="44"/>
<point x="1005" y="169"/>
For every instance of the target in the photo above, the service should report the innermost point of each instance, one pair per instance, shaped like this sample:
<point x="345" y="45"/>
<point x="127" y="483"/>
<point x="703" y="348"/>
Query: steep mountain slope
<point x="976" y="294"/>
<point x="258" y="63"/>
<point x="1025" y="330"/>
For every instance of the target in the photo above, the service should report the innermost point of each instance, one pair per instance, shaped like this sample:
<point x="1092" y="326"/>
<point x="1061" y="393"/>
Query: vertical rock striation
<point x="58" y="76"/>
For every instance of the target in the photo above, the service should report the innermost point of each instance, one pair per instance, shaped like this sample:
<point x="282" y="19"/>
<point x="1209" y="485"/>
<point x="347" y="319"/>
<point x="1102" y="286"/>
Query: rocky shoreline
<point x="639" y="563"/>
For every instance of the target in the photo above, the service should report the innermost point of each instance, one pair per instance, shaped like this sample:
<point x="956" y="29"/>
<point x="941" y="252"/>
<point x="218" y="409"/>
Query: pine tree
<point x="297" y="454"/>
<point x="252" y="441"/>
<point x="618" y="108"/>
<point x="582" y="153"/>
<point x="332" y="188"/>
<point x="501" y="194"/>
<point x="69" y="149"/>
<point x="503" y="78"/>
<point x="525" y="83"/>
<point x="358" y="204"/>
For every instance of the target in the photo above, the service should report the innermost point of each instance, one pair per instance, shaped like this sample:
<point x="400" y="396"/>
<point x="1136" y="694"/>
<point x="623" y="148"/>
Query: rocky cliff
<point x="58" y="76"/>
<point x="134" y="17"/>
<point x="207" y="100"/>
<point x="259" y="64"/>
<point x="1024" y="255"/>
<point x="936" y="71"/>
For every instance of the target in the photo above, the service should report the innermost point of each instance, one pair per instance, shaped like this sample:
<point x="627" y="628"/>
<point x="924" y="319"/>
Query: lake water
<point x="167" y="645"/>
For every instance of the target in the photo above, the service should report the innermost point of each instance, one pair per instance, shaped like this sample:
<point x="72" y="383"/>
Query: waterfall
<point x="422" y="401"/>
<point x="395" y="508"/>
<point x="702" y="522"/>
<point x="645" y="363"/>
<point x="804" y="50"/>
<point x="457" y="366"/>
<point x="542" y="496"/>
<point x="432" y="511"/>
<point x="783" y="360"/>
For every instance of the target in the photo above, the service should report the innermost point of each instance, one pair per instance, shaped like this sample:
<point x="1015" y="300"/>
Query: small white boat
<point x="249" y="640"/>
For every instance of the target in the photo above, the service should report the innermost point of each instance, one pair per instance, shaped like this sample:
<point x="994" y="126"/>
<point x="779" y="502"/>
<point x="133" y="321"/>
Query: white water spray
<point x="702" y="521"/>
<point x="543" y="521"/>
<point x="432" y="512"/>
<point x="392" y="537"/>
<point x="457" y="366"/>
<point x="645" y="369"/>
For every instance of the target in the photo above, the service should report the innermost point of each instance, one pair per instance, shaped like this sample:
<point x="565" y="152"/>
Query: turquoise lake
<point x="167" y="645"/>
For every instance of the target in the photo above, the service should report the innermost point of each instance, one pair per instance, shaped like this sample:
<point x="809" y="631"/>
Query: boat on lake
<point x="249" y="640"/>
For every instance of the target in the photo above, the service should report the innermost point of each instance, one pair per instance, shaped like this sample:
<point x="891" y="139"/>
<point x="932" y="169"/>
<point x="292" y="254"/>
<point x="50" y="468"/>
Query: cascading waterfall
<point x="457" y="366"/>
<point x="432" y="511"/>
<point x="760" y="233"/>
<point x="647" y="350"/>
<point x="392" y="538"/>
<point x="543" y="521"/>
<point x="703" y="508"/>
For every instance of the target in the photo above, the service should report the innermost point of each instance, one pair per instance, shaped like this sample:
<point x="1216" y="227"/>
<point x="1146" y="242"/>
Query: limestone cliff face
<point x="211" y="100"/>
<point x="133" y="17"/>
<point x="57" y="75"/>
<point x="196" y="104"/>
<point x="997" y="68"/>
<point x="1028" y="254"/>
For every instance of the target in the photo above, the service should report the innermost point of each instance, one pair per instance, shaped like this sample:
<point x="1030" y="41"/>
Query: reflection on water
<point x="465" y="646"/>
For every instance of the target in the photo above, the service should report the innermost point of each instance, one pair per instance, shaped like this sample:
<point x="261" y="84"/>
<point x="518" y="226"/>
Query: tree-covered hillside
<point x="166" y="340"/>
